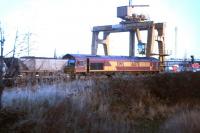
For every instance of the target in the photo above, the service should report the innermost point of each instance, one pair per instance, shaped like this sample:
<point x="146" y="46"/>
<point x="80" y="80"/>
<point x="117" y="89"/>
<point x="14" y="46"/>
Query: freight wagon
<point x="34" y="66"/>
<point x="88" y="64"/>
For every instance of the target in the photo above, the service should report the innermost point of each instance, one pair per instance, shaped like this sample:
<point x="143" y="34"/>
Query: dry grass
<point x="184" y="122"/>
<point x="121" y="105"/>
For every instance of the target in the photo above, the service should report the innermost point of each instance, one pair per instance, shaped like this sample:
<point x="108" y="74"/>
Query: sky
<point x="65" y="26"/>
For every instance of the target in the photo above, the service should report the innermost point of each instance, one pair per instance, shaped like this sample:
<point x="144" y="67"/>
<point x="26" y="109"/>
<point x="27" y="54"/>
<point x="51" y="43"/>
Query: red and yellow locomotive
<point x="88" y="64"/>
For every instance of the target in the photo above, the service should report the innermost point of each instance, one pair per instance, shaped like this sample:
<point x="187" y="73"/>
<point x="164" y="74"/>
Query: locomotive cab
<point x="70" y="66"/>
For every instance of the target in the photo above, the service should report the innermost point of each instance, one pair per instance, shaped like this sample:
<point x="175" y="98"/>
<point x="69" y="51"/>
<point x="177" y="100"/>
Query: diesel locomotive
<point x="78" y="64"/>
<point x="75" y="65"/>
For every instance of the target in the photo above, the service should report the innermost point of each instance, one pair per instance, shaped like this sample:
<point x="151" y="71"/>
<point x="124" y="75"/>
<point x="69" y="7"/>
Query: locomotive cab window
<point x="96" y="66"/>
<point x="71" y="63"/>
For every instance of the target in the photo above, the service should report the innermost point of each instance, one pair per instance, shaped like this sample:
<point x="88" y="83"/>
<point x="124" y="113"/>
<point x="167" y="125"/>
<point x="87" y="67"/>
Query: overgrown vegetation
<point x="143" y="104"/>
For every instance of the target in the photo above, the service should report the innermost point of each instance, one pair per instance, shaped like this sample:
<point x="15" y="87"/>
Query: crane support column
<point x="150" y="41"/>
<point x="106" y="43"/>
<point x="161" y="44"/>
<point x="94" y="42"/>
<point x="132" y="43"/>
<point x="138" y="35"/>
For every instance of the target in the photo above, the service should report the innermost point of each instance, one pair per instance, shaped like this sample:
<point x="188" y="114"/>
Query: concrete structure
<point x="133" y="23"/>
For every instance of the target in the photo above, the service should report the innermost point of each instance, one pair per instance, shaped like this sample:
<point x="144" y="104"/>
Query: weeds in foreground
<point x="121" y="105"/>
<point x="183" y="122"/>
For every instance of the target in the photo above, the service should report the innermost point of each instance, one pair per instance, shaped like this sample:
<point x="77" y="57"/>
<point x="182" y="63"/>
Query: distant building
<point x="179" y="65"/>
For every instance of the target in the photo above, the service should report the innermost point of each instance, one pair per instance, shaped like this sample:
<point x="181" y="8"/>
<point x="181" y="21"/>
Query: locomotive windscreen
<point x="71" y="63"/>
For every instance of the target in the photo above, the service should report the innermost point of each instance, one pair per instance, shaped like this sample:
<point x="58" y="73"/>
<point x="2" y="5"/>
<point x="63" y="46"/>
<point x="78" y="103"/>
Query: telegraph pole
<point x="2" y="40"/>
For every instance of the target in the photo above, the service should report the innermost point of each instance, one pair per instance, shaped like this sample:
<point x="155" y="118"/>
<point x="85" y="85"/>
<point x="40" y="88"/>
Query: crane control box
<point x="127" y="13"/>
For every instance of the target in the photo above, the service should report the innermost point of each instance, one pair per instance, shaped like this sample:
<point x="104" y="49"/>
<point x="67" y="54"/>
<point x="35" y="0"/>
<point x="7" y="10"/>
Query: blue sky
<point x="66" y="25"/>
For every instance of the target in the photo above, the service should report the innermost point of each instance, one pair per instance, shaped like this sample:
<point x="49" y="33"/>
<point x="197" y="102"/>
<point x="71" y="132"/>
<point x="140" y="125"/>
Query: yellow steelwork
<point x="112" y="66"/>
